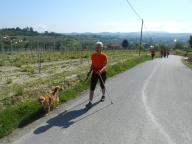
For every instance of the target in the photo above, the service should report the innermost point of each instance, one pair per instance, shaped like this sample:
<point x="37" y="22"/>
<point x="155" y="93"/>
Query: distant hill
<point x="148" y="37"/>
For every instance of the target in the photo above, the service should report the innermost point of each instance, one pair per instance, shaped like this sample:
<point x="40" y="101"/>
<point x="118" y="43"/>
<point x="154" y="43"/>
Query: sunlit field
<point x="31" y="74"/>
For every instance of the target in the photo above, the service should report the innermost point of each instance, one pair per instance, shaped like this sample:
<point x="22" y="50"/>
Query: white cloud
<point x="40" y="27"/>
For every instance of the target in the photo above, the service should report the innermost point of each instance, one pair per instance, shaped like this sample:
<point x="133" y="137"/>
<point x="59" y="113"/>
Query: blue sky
<point x="97" y="15"/>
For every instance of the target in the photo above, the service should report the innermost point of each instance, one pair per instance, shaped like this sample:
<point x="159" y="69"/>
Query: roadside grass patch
<point x="187" y="63"/>
<point x="19" y="116"/>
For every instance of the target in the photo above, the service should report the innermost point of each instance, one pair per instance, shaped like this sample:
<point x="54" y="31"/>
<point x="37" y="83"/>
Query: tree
<point x="179" y="45"/>
<point x="125" y="44"/>
<point x="26" y="45"/>
<point x="58" y="46"/>
<point x="24" y="39"/>
<point x="31" y="29"/>
<point x="17" y="29"/>
<point x="162" y="47"/>
<point x="190" y="41"/>
<point x="46" y="32"/>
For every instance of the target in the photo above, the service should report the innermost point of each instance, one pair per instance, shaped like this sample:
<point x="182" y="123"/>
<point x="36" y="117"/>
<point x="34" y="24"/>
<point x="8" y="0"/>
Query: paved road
<point x="152" y="105"/>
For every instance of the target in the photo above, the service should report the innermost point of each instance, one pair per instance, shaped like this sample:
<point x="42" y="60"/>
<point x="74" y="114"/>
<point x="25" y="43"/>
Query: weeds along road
<point x="152" y="105"/>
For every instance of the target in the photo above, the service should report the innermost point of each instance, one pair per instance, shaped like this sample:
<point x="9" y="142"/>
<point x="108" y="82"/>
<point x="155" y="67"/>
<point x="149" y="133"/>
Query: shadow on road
<point x="65" y="119"/>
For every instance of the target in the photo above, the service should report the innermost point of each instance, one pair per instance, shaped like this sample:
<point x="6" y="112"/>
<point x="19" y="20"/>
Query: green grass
<point x="18" y="90"/>
<point x="19" y="59"/>
<point x="18" y="116"/>
<point x="179" y="52"/>
<point x="187" y="63"/>
<point x="26" y="112"/>
<point x="28" y="69"/>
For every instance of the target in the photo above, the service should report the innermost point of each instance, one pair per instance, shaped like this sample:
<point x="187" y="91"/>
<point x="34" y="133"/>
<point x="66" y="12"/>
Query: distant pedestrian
<point x="164" y="53"/>
<point x="152" y="53"/>
<point x="167" y="53"/>
<point x="161" y="53"/>
<point x="98" y="69"/>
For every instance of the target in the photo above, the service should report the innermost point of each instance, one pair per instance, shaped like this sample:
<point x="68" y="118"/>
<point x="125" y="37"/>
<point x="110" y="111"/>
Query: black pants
<point x="94" y="79"/>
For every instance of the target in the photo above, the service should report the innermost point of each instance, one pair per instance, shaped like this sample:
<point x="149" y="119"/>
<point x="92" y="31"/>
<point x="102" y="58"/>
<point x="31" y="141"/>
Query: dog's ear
<point x="56" y="88"/>
<point x="41" y="98"/>
<point x="61" y="87"/>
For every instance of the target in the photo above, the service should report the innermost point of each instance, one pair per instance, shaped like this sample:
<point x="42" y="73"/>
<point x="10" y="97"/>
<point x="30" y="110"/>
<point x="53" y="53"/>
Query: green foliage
<point x="1" y="63"/>
<point x="28" y="69"/>
<point x="179" y="45"/>
<point x="189" y="55"/>
<point x="120" y="67"/>
<point x="28" y="31"/>
<point x="73" y="92"/>
<point x="190" y="41"/>
<point x="18" y="90"/>
<point x="125" y="44"/>
<point x="162" y="47"/>
<point x="179" y="52"/>
<point x="20" y="59"/>
<point x="9" y="81"/>
<point x="18" y="116"/>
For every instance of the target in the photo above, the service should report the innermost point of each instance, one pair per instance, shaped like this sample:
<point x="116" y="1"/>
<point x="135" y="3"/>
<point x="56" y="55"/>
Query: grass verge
<point x="187" y="63"/>
<point x="24" y="113"/>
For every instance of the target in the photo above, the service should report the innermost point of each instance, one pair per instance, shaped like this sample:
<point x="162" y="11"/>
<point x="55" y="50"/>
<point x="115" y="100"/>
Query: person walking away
<point x="161" y="53"/>
<point x="164" y="53"/>
<point x="167" y="53"/>
<point x="98" y="69"/>
<point x="152" y="53"/>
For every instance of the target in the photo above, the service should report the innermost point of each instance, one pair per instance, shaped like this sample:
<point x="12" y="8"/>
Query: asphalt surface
<point x="152" y="105"/>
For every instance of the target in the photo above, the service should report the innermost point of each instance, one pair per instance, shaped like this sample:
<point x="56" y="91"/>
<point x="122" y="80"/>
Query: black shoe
<point x="89" y="105"/>
<point x="102" y="98"/>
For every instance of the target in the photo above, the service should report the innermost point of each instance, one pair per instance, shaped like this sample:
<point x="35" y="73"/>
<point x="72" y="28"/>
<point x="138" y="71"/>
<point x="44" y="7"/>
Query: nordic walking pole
<point x="88" y="75"/>
<point x="105" y="88"/>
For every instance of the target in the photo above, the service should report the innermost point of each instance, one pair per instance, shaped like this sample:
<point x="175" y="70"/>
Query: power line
<point x="136" y="13"/>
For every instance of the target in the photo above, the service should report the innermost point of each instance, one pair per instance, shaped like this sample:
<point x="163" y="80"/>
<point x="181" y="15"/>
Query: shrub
<point x="18" y="90"/>
<point x="28" y="69"/>
<point x="9" y="81"/>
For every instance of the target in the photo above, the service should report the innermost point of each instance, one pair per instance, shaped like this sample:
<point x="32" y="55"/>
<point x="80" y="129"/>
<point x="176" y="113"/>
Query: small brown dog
<point x="55" y="95"/>
<point x="46" y="102"/>
<point x="51" y="100"/>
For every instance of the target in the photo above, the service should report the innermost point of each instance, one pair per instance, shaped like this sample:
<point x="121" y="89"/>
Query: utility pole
<point x="141" y="37"/>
